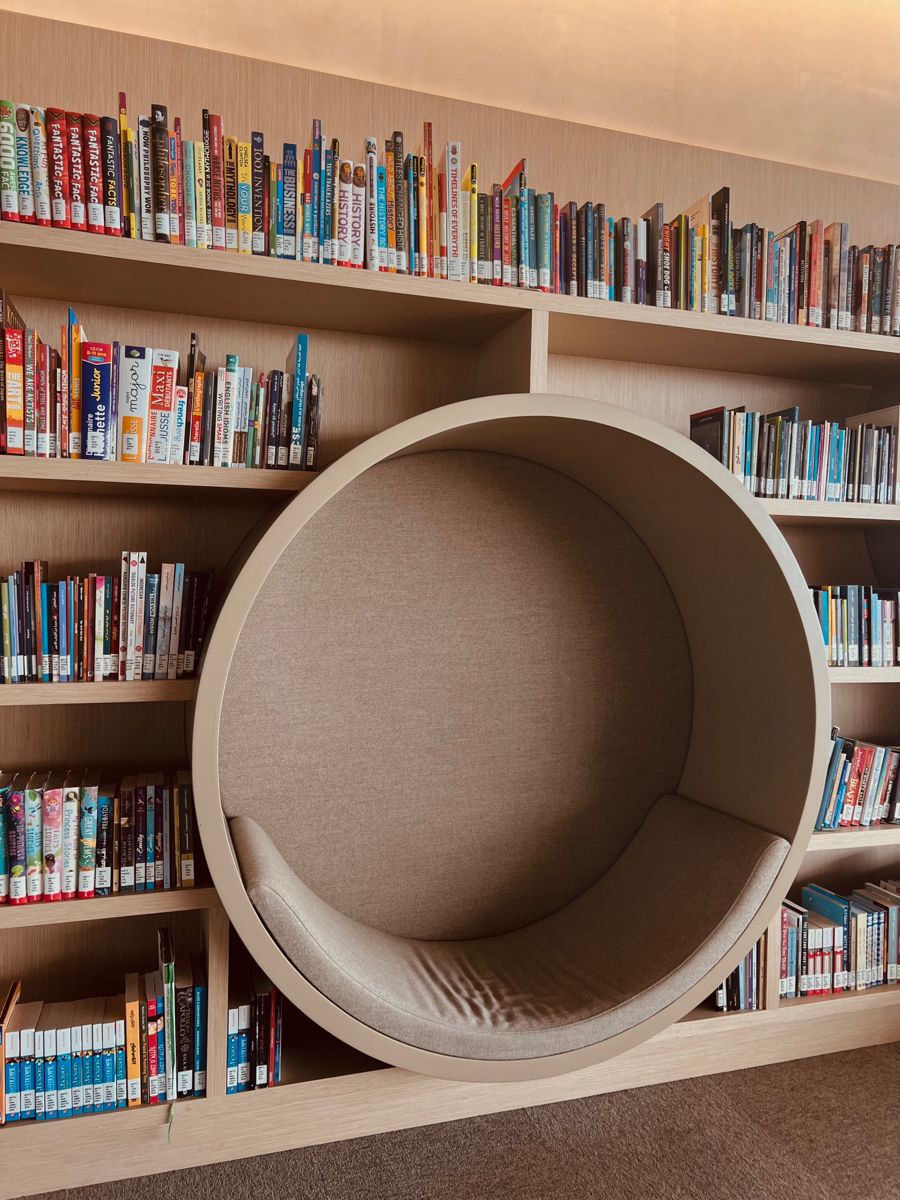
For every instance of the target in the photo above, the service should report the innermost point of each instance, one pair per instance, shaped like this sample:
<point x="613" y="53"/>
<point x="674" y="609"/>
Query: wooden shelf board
<point x="854" y="838"/>
<point x="44" y="1157"/>
<point x="667" y="337"/>
<point x="820" y="512"/>
<point x="77" y="475"/>
<point x="887" y="995"/>
<point x="864" y="674"/>
<point x="107" y="907"/>
<point x="83" y="268"/>
<point x="112" y="692"/>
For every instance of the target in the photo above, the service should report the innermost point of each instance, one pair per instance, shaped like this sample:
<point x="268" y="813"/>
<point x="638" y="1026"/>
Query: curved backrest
<point x="458" y="693"/>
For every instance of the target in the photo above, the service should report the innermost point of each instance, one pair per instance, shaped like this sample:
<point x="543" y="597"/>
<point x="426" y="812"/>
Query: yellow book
<point x="230" y="169"/>
<point x="703" y="238"/>
<point x="470" y="187"/>
<point x="244" y="195"/>
<point x="129" y="160"/>
<point x="133" y="1039"/>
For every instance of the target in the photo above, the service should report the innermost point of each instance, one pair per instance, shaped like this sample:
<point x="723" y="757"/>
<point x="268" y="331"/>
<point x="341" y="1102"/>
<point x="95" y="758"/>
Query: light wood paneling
<point x="151" y="691"/>
<point x="91" y="958"/>
<point x="107" y="908"/>
<point x="852" y="838"/>
<point x="573" y="158"/>
<point x="78" y="476"/>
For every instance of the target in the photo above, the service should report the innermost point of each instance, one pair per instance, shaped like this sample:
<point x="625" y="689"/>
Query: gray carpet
<point x="817" y="1129"/>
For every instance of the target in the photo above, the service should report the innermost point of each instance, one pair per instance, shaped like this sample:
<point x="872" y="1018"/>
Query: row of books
<point x="742" y="991"/>
<point x="145" y="1046"/>
<point x="861" y="785"/>
<point x="136" y="624"/>
<point x="778" y="455"/>
<point x="859" y="624"/>
<point x="834" y="943"/>
<point x="396" y="209"/>
<point x="112" y="401"/>
<point x="73" y="834"/>
<point x="254" y="1038"/>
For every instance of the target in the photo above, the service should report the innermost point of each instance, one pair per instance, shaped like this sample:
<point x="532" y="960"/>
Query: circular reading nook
<point x="509" y="737"/>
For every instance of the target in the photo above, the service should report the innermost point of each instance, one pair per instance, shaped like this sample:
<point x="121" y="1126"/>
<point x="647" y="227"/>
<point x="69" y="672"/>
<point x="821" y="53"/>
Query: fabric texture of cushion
<point x="662" y="916"/>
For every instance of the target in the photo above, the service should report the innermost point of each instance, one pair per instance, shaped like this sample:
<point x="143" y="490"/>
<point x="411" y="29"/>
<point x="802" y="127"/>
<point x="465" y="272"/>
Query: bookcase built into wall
<point x="387" y="348"/>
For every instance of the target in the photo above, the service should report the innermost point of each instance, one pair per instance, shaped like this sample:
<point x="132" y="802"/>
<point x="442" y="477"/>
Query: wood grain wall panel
<point x="626" y="171"/>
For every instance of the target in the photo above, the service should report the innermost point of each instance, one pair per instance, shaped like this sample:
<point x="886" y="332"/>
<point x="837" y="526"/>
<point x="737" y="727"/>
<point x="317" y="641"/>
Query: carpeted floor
<point x="819" y="1129"/>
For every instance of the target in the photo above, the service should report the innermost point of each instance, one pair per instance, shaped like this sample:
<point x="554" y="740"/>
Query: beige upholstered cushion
<point x="456" y="698"/>
<point x="666" y="912"/>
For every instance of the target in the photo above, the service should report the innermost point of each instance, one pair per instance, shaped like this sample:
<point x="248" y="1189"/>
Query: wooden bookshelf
<point x="864" y="674"/>
<point x="855" y="838"/>
<point x="820" y="512"/>
<point x="150" y="691"/>
<point x="138" y="479"/>
<point x="388" y="348"/>
<point x="105" y="908"/>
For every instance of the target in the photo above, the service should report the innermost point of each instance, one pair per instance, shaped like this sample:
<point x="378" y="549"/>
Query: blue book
<point x="121" y="1080"/>
<point x="12" y="1077"/>
<point x="290" y="200"/>
<point x="51" y="1083"/>
<point x="243" y="1048"/>
<point x="77" y="1071"/>
<point x="148" y="666"/>
<point x="190" y="193"/>
<point x="316" y="205"/>
<point x="27" y="1082"/>
<point x="96" y="393"/>
<point x="231" y="1053"/>
<point x="45" y="672"/>
<point x="833" y="764"/>
<point x="39" y="1075"/>
<point x="543" y="250"/>
<point x="97" y="1057"/>
<point x="108" y="1062"/>
<point x="199" y="976"/>
<point x="62" y="601"/>
<point x="64" y="1072"/>
<point x="545" y="240"/>
<point x="381" y="195"/>
<point x="611" y="256"/>
<point x="298" y="403"/>
<point x="835" y="908"/>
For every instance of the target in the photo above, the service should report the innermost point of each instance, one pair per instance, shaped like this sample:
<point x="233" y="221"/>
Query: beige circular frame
<point x="558" y="432"/>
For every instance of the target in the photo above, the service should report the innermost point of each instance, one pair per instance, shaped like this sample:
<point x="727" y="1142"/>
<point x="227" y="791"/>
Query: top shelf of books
<point x="76" y="267"/>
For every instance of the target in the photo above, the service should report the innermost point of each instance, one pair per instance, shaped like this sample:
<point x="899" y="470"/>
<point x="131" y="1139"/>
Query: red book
<point x="179" y="176"/>
<point x="77" y="207"/>
<point x="217" y="180"/>
<point x="58" y="158"/>
<point x="93" y="172"/>
<point x="14" y="347"/>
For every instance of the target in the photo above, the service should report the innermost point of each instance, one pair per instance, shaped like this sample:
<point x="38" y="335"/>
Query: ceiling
<point x="814" y="82"/>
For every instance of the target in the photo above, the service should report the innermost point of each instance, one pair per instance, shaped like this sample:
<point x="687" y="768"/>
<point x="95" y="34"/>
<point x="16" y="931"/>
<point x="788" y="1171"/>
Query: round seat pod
<point x="509" y="737"/>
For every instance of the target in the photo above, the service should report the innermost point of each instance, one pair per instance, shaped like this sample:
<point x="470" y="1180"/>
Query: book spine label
<point x="24" y="177"/>
<point x="9" y="180"/>
<point x="58" y="151"/>
<point x="40" y="168"/>
<point x="93" y="167"/>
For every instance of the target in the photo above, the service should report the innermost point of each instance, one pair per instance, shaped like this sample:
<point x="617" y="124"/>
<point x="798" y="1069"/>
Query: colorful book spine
<point x="96" y="393"/>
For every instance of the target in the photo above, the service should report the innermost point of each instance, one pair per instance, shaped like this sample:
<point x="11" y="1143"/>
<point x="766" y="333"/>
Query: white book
<point x="70" y="819"/>
<point x="133" y="422"/>
<point x="164" y="620"/>
<point x="176" y="449"/>
<point x="139" y="605"/>
<point x="219" y="439"/>
<point x="164" y="373"/>
<point x="131" y="610"/>
<point x="145" y="180"/>
<point x="177" y="594"/>
<point x="358" y="217"/>
<point x="100" y="660"/>
<point x="39" y="168"/>
<point x="231" y="1071"/>
<point x="64" y="1047"/>
<point x="454" y="216"/>
<point x="464" y="234"/>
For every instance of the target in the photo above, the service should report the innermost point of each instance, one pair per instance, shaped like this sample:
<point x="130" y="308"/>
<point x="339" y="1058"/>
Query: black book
<point x="720" y="212"/>
<point x="581" y="250"/>
<point x="159" y="159"/>
<point x="112" y="174"/>
<point x="312" y="422"/>
<point x="207" y="443"/>
<point x="126" y="836"/>
<point x="206" y="167"/>
<point x="184" y="1029"/>
<point x="257" y="183"/>
<point x="140" y="835"/>
<point x="105" y="830"/>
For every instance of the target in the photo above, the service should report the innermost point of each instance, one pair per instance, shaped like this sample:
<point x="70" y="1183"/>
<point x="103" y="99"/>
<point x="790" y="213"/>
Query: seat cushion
<point x="666" y="912"/>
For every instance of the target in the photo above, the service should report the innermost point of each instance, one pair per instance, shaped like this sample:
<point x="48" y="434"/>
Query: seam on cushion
<point x="443" y="1024"/>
